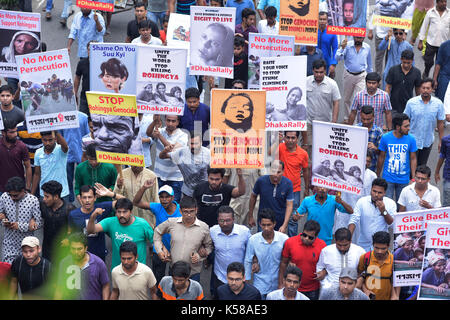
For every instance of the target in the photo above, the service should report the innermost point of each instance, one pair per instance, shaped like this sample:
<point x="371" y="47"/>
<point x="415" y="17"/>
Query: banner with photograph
<point x="212" y="41"/>
<point x="161" y="80"/>
<point x="116" y="128"/>
<point x="339" y="156"/>
<point x="1" y="122"/>
<point x="112" y="68"/>
<point x="178" y="32"/>
<point x="286" y="92"/>
<point x="434" y="283"/>
<point x="20" y="34"/>
<point x="102" y="5"/>
<point x="46" y="87"/>
<point x="410" y="230"/>
<point x="237" y="128"/>
<point x="265" y="45"/>
<point x="300" y="19"/>
<point x="398" y="14"/>
<point x="347" y="17"/>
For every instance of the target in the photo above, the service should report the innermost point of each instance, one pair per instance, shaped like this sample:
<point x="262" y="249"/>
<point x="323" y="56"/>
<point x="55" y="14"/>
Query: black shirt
<point x="209" y="201"/>
<point x="133" y="30"/>
<point x="15" y="115"/>
<point x="403" y="86"/>
<point x="55" y="227"/>
<point x="240" y="71"/>
<point x="249" y="292"/>
<point x="83" y="72"/>
<point x="30" y="278"/>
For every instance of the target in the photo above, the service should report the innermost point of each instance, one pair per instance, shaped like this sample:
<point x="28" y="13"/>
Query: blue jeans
<point x="176" y="186"/>
<point x="293" y="225"/>
<point x="394" y="188"/>
<point x="65" y="10"/>
<point x="70" y="176"/>
<point x="156" y="17"/>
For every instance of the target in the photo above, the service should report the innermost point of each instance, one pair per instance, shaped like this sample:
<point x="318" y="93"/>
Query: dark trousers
<point x="423" y="155"/>
<point x="428" y="57"/>
<point x="312" y="295"/>
<point x="158" y="267"/>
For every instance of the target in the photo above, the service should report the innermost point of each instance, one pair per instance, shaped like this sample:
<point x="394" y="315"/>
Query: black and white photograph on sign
<point x="161" y="94"/>
<point x="395" y="8"/>
<point x="291" y="109"/>
<point x="14" y="43"/>
<point x="212" y="45"/>
<point x="409" y="250"/>
<point x="117" y="134"/>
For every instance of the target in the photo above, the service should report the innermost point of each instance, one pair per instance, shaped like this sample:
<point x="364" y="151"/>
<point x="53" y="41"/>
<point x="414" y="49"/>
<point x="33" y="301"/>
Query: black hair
<point x="194" y="134"/>
<point x="366" y="109"/>
<point x="244" y="84"/>
<point x="424" y="169"/>
<point x="236" y="267"/>
<point x="115" y="68"/>
<point x="225" y="209"/>
<point x="139" y="4"/>
<point x="317" y="64"/>
<point x="425" y="80"/>
<point x="7" y="88"/>
<point x="270" y="12"/>
<point x="52" y="187"/>
<point x="91" y="151"/>
<point x="9" y="124"/>
<point x="86" y="188"/>
<point x="248" y="12"/>
<point x="192" y="93"/>
<point x="145" y="24"/>
<point x="381" y="237"/>
<point x="297" y="133"/>
<point x="373" y="76"/>
<point x="398" y="118"/>
<point x="239" y="41"/>
<point x="293" y="270"/>
<point x="407" y="54"/>
<point x="242" y="94"/>
<point x="312" y="225"/>
<point x="380" y="182"/>
<point x="210" y="170"/>
<point x="46" y="133"/>
<point x="267" y="213"/>
<point x="181" y="269"/>
<point x="188" y="203"/>
<point x="16" y="184"/>
<point x="342" y="234"/>
<point x="124" y="203"/>
<point x="78" y="237"/>
<point x="128" y="246"/>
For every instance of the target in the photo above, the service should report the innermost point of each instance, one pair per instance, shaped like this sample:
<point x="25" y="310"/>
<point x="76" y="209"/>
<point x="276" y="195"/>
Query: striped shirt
<point x="374" y="136"/>
<point x="165" y="169"/>
<point x="166" y="290"/>
<point x="184" y="6"/>
<point x="380" y="102"/>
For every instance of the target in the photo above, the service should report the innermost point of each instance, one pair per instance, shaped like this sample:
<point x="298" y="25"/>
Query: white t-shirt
<point x="263" y="27"/>
<point x="409" y="198"/>
<point x="153" y="41"/>
<point x="278" y="295"/>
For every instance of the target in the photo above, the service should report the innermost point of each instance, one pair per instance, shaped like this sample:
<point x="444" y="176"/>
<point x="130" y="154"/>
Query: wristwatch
<point x="385" y="213"/>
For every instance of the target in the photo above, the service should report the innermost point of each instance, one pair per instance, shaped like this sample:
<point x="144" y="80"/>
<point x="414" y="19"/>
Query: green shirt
<point x="104" y="173"/>
<point x="138" y="232"/>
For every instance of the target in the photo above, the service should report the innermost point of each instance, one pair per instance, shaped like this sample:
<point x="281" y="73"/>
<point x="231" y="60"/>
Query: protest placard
<point x="396" y="14"/>
<point x="410" y="229"/>
<point x="265" y="45"/>
<point x="435" y="271"/>
<point x="161" y="80"/>
<point x="46" y="85"/>
<point x="103" y="5"/>
<point x="178" y="32"/>
<point x="338" y="156"/>
<point x="211" y="41"/>
<point x="286" y="92"/>
<point x="237" y="128"/>
<point x="116" y="128"/>
<point x="347" y="17"/>
<point x="300" y="19"/>
<point x="112" y="67"/>
<point x="20" y="34"/>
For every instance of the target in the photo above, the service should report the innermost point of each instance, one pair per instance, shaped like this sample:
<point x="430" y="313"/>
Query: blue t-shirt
<point x="53" y="167"/>
<point x="73" y="137"/>
<point x="79" y="220"/>
<point x="239" y="7"/>
<point x="161" y="215"/>
<point x="274" y="196"/>
<point x="396" y="165"/>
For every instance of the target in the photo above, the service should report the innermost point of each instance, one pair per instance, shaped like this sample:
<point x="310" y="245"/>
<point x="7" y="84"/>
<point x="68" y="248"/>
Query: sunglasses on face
<point x="304" y="235"/>
<point x="398" y="33"/>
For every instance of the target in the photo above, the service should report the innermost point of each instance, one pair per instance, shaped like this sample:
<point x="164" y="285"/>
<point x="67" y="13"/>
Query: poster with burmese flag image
<point x="300" y="18"/>
<point x="116" y="128"/>
<point x="237" y="128"/>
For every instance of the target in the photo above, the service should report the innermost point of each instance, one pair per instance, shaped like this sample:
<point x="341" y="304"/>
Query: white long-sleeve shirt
<point x="438" y="27"/>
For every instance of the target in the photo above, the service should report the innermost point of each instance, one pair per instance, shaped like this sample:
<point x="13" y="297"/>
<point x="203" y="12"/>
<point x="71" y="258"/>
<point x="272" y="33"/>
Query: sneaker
<point x="63" y="21"/>
<point x="48" y="15"/>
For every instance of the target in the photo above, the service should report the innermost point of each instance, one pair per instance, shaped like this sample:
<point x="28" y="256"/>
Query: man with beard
<point x="166" y="208"/>
<point x="334" y="257"/>
<point x="236" y="287"/>
<point x="425" y="113"/>
<point x="347" y="288"/>
<point x="300" y="7"/>
<point x="50" y="162"/>
<point x="14" y="157"/>
<point x="90" y="271"/>
<point x="123" y="227"/>
<point x="29" y="271"/>
<point x="20" y="215"/>
<point x="55" y="212"/>
<point x="238" y="112"/>
<point x="132" y="279"/>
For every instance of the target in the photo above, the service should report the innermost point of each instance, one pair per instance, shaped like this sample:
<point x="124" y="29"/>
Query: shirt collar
<point x="196" y="222"/>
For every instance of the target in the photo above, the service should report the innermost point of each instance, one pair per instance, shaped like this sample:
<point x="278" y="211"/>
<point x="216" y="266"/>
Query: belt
<point x="355" y="73"/>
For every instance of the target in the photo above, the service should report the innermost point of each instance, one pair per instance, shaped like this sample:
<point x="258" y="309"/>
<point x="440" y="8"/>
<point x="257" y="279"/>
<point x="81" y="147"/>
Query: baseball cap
<point x="30" y="241"/>
<point x="349" y="273"/>
<point x="166" y="188"/>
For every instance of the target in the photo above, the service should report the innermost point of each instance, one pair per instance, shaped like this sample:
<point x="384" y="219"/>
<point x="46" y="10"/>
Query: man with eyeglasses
<point x="394" y="49"/>
<point x="236" y="287"/>
<point x="304" y="250"/>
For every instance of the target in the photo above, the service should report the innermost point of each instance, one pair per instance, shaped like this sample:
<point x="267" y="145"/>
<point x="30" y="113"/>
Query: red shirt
<point x="11" y="161"/>
<point x="294" y="162"/>
<point x="304" y="257"/>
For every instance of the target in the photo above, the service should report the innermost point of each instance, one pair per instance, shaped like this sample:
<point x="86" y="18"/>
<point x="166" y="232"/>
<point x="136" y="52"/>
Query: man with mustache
<point x="123" y="227"/>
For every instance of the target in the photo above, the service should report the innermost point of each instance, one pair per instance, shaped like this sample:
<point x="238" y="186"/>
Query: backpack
<point x="367" y="256"/>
